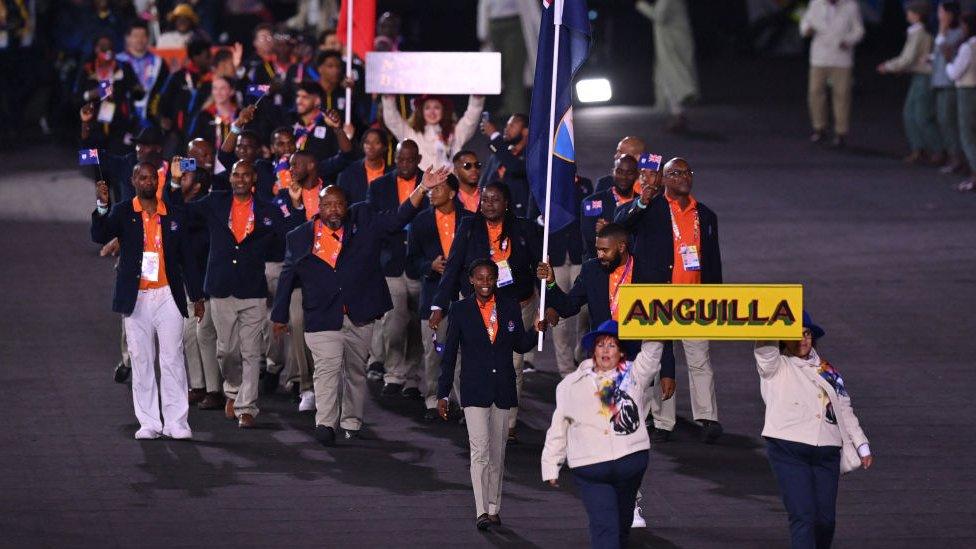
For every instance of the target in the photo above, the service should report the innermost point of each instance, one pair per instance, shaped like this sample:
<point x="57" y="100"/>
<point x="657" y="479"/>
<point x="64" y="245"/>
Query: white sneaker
<point x="178" y="434"/>
<point x="639" y="521"/>
<point x="146" y="434"/>
<point x="307" y="403"/>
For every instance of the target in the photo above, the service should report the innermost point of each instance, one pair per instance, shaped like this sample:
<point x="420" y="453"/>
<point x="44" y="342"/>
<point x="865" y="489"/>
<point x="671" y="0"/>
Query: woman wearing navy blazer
<point x="487" y="329"/>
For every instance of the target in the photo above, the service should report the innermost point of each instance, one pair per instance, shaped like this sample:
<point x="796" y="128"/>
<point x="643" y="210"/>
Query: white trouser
<point x="432" y="364"/>
<point x="240" y="324"/>
<point x="340" y="355"/>
<point x="157" y="316"/>
<point x="701" y="386"/>
<point x="487" y="437"/>
<point x="566" y="334"/>
<point x="529" y="313"/>
<point x="401" y="332"/>
<point x="200" y="349"/>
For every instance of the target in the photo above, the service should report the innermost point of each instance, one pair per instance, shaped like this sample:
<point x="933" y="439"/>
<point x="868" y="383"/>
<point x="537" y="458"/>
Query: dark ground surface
<point x="886" y="255"/>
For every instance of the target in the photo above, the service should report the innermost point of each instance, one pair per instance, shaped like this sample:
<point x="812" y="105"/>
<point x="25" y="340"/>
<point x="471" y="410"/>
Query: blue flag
<point x="88" y="157"/>
<point x="258" y="90"/>
<point x="574" y="46"/>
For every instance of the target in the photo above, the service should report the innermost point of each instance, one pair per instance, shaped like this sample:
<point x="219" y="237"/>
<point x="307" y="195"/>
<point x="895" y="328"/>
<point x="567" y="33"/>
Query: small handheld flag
<point x="258" y="90"/>
<point x="88" y="157"/>
<point x="649" y="161"/>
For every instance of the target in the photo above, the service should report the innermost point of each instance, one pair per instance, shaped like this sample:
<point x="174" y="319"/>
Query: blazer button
<point x="237" y="247"/>
<point x="493" y="371"/>
<point x="234" y="261"/>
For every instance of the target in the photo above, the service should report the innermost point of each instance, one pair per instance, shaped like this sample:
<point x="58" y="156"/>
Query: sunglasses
<point x="469" y="165"/>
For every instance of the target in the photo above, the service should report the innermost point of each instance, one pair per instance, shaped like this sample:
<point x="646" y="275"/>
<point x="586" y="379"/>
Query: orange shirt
<point x="445" y="229"/>
<point x="310" y="200"/>
<point x="328" y="243"/>
<point x="620" y="200"/>
<point x="621" y="275"/>
<point x="489" y="315"/>
<point x="241" y="218"/>
<point x="470" y="201"/>
<point x="373" y="174"/>
<point x="498" y="251"/>
<point x="282" y="180"/>
<point x="684" y="228"/>
<point x="152" y="241"/>
<point x="405" y="187"/>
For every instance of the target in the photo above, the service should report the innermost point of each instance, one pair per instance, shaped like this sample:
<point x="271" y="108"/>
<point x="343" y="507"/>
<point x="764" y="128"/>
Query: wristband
<point x="550" y="285"/>
<point x="235" y="129"/>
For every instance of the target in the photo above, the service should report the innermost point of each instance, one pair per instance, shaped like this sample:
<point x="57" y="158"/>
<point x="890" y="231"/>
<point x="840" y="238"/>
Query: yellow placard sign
<point x="710" y="311"/>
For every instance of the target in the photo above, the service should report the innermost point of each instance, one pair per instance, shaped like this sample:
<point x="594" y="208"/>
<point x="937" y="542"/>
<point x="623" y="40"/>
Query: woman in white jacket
<point x="433" y="127"/>
<point x="598" y="429"/>
<point x="811" y="432"/>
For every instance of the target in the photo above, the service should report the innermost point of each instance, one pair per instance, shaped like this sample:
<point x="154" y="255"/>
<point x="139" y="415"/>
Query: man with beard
<point x="628" y="146"/>
<point x="334" y="257"/>
<point x="599" y="208"/>
<point x="507" y="161"/>
<point x="149" y="292"/>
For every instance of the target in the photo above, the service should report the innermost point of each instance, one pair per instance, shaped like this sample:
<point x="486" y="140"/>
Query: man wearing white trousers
<point x="149" y="292"/>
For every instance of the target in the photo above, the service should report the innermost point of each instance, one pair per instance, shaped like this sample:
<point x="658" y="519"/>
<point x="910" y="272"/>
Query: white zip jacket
<point x="584" y="432"/>
<point x="797" y="404"/>
<point x="832" y="25"/>
<point x="433" y="150"/>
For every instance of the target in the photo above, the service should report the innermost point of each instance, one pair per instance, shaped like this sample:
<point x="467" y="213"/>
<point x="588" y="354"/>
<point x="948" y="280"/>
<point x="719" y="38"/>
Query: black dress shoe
<point x="122" y="372"/>
<point x="818" y="137"/>
<point x="483" y="522"/>
<point x="660" y="435"/>
<point x="431" y="414"/>
<point x="325" y="435"/>
<point x="711" y="430"/>
<point x="351" y="434"/>
<point x="375" y="371"/>
<point x="268" y="383"/>
<point x="495" y="520"/>
<point x="412" y="393"/>
<point x="391" y="389"/>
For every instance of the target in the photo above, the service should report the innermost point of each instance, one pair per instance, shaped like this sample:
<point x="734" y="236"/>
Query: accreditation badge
<point x="319" y="132"/>
<point x="504" y="274"/>
<point x="106" y="111"/>
<point x="150" y="266"/>
<point x="689" y="257"/>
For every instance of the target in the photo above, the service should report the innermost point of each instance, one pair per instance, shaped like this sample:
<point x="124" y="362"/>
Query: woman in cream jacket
<point x="811" y="432"/>
<point x="598" y="430"/>
<point x="432" y="125"/>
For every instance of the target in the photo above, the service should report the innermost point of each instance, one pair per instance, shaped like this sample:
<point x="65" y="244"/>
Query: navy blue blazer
<point x="487" y="371"/>
<point x="423" y="247"/>
<point x="599" y="205"/>
<point x="124" y="223"/>
<point x="654" y="241"/>
<point x="383" y="197"/>
<point x="516" y="177"/>
<point x="353" y="181"/>
<point x="604" y="183"/>
<point x="236" y="269"/>
<point x="355" y="285"/>
<point x="471" y="242"/>
<point x="592" y="288"/>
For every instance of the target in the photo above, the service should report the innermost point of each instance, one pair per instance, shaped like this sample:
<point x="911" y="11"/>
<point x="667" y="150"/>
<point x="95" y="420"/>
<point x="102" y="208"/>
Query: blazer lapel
<point x="602" y="286"/>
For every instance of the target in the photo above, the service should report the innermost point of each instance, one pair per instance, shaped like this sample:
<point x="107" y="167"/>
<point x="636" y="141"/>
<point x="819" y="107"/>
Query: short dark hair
<point x="263" y="26"/>
<point x="250" y="134"/>
<point x="138" y="24"/>
<point x="283" y="129"/>
<point x="462" y="153"/>
<point x="196" y="46"/>
<point x="521" y="117"/>
<point x="380" y="133"/>
<point x="323" y="56"/>
<point x="311" y="88"/>
<point x="613" y="230"/>
<point x="483" y="262"/>
<point x="304" y="153"/>
<point x="325" y="34"/>
<point x="452" y="182"/>
<point x="223" y="54"/>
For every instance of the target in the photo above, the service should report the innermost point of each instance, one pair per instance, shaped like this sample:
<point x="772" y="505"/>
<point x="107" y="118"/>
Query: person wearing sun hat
<point x="811" y="432"/>
<point x="597" y="430"/>
<point x="185" y="25"/>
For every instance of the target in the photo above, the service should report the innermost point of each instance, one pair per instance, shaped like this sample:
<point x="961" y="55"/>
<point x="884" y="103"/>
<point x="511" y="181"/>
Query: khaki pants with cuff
<point x="840" y="82"/>
<point x="240" y="324"/>
<point x="487" y="437"/>
<point x="340" y="374"/>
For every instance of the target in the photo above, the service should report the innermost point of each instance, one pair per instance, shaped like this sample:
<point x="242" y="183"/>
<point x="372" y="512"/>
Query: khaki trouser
<point x="840" y="81"/>
<point x="401" y="329"/>
<point x="288" y="353"/>
<point x="200" y="350"/>
<point x="340" y="351"/>
<point x="487" y="436"/>
<point x="240" y="323"/>
<point x="530" y="311"/>
<point x="432" y="364"/>
<point x="701" y="385"/>
<point x="566" y="334"/>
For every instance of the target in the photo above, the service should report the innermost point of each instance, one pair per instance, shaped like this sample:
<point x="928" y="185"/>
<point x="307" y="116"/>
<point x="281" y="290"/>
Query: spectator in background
<point x="433" y="127"/>
<point x="962" y="71"/>
<point x="388" y="36"/>
<point x="149" y="69"/>
<point x="259" y="65"/>
<point x="836" y="28"/>
<point x="675" y="73"/>
<point x="113" y="87"/>
<point x="919" y="111"/>
<point x="946" y="43"/>
<point x="511" y="27"/>
<point x="186" y="89"/>
<point x="104" y="18"/>
<point x="241" y="16"/>
<point x="186" y="25"/>
<point x="212" y="122"/>
<point x="507" y="161"/>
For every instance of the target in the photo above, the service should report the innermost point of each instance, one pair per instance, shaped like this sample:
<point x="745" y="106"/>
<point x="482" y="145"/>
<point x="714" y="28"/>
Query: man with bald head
<point x="678" y="241"/>
<point x="628" y="146"/>
<point x="242" y="228"/>
<point x="335" y="258"/>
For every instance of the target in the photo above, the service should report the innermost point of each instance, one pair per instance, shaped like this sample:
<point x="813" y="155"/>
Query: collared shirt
<point x="404" y="188"/>
<point x="621" y="200"/>
<point x="445" y="229"/>
<point x="489" y="315"/>
<point x="241" y="218"/>
<point x="328" y="243"/>
<point x="686" y="232"/>
<point x="372" y="174"/>
<point x="470" y="201"/>
<point x="152" y="241"/>
<point x="310" y="200"/>
<point x="623" y="274"/>
<point x="499" y="250"/>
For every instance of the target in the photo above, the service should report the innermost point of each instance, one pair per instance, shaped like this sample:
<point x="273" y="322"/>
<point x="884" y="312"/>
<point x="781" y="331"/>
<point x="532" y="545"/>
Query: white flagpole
<point x="557" y="6"/>
<point x="349" y="5"/>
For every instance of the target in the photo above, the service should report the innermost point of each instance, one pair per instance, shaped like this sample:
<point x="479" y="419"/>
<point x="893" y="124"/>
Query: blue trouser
<point x="966" y="113"/>
<point x="946" y="109"/>
<point x="807" y="477"/>
<point x="920" y="118"/>
<point x="609" y="491"/>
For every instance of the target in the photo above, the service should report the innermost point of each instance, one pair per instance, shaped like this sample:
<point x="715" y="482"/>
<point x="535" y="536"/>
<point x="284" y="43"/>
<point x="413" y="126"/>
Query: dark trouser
<point x="609" y="490"/>
<point x="807" y="477"/>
